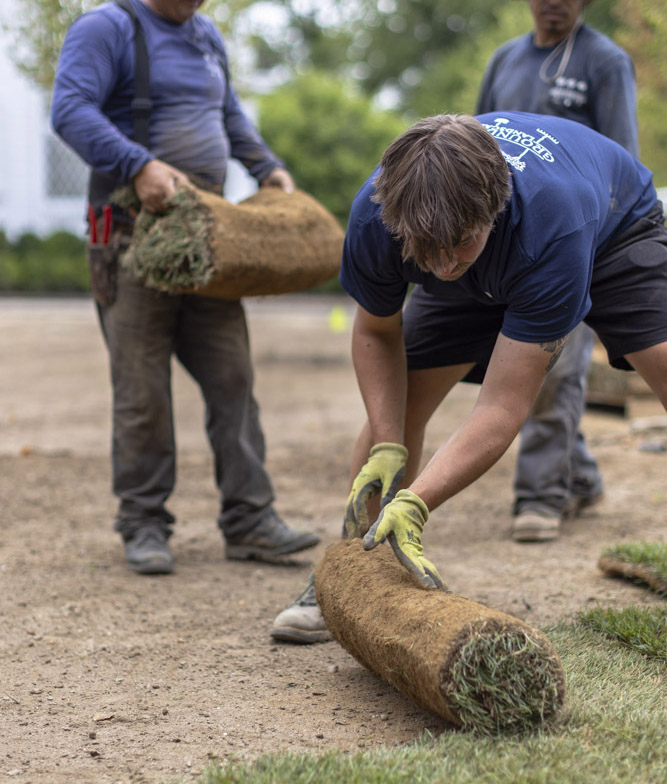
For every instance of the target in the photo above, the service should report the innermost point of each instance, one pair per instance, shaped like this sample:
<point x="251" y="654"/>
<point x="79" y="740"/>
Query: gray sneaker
<point x="270" y="541"/>
<point x="533" y="525"/>
<point x="147" y="551"/>
<point x="302" y="621"/>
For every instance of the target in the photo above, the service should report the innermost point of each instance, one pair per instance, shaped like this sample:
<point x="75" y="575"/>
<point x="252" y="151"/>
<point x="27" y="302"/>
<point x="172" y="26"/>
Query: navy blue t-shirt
<point x="572" y="189"/>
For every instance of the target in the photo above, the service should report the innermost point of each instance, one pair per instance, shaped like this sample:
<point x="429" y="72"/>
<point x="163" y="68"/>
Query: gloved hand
<point x="383" y="473"/>
<point x="401" y="522"/>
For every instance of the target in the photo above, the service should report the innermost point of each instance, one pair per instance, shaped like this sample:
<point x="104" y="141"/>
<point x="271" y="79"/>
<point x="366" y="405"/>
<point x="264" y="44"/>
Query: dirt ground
<point x="108" y="676"/>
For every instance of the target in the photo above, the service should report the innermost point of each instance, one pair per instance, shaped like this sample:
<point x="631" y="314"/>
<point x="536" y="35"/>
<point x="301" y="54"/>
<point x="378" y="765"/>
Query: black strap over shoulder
<point x="102" y="184"/>
<point x="141" y="103"/>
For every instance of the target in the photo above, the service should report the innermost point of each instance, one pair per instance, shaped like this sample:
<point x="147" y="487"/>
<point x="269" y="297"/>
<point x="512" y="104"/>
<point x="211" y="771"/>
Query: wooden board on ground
<point x="619" y="390"/>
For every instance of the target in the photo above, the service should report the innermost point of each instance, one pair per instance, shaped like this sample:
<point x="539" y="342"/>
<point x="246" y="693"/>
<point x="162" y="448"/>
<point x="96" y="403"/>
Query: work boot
<point x="536" y="525"/>
<point x="147" y="551"/>
<point x="302" y="621"/>
<point x="269" y="541"/>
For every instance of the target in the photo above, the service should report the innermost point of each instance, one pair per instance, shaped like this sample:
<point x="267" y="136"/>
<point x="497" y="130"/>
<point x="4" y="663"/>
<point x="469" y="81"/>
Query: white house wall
<point x="24" y="130"/>
<point x="25" y="137"/>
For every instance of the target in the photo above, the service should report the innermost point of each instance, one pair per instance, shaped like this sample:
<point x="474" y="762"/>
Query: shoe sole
<point x="241" y="552"/>
<point x="300" y="636"/>
<point x="534" y="535"/>
<point x="152" y="568"/>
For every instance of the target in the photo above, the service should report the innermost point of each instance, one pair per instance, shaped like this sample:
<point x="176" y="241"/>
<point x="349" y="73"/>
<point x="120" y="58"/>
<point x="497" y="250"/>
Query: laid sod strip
<point x="641" y="562"/>
<point x="642" y="628"/>
<point x="271" y="243"/>
<point x="614" y="734"/>
<point x="478" y="668"/>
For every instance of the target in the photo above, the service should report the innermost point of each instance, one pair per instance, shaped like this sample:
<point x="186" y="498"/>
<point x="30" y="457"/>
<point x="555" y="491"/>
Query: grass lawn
<point x="613" y="730"/>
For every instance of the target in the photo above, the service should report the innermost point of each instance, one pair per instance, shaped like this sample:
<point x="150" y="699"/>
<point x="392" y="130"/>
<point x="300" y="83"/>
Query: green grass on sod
<point x="613" y="731"/>
<point x="643" y="562"/>
<point x="642" y="628"/>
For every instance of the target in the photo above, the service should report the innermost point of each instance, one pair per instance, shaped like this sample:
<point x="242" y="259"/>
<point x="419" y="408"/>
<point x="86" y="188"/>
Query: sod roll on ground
<point x="271" y="243"/>
<point x="477" y="668"/>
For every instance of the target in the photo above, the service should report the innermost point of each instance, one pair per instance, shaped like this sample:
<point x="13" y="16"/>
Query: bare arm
<point x="378" y="353"/>
<point x="514" y="377"/>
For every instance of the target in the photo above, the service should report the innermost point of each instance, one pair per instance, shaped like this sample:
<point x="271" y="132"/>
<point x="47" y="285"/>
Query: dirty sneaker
<point x="147" y="551"/>
<point x="270" y="541"/>
<point x="534" y="525"/>
<point x="302" y="621"/>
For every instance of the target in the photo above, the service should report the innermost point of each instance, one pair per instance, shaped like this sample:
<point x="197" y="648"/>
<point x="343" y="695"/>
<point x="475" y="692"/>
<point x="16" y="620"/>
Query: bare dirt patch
<point x="108" y="676"/>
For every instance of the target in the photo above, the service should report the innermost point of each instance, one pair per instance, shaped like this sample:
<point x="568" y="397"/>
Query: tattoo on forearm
<point x="555" y="348"/>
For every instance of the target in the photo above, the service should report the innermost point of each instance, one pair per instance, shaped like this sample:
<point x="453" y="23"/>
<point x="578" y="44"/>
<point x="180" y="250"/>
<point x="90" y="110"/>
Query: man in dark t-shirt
<point x="514" y="229"/>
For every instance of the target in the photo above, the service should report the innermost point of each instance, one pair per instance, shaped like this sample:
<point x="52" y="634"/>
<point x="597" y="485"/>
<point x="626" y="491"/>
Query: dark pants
<point x="142" y="329"/>
<point x="554" y="463"/>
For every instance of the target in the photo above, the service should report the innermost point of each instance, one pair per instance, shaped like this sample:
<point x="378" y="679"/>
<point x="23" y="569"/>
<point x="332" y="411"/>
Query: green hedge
<point x="56" y="263"/>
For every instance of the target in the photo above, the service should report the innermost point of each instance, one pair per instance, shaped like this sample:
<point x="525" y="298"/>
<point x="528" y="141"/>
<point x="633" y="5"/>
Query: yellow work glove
<point x="401" y="522"/>
<point x="383" y="473"/>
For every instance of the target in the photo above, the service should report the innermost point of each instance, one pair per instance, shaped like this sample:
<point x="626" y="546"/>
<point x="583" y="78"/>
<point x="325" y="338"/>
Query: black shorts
<point x="628" y="312"/>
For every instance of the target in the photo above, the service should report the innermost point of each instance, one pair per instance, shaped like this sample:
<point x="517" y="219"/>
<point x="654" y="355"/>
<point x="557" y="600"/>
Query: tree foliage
<point x="419" y="56"/>
<point x="328" y="134"/>
<point x="643" y="34"/>
<point x="452" y="84"/>
<point x="39" y="29"/>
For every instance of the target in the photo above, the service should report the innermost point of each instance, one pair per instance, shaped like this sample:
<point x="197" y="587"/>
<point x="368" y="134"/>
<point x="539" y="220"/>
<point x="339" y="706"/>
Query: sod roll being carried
<point x="271" y="243"/>
<point x="476" y="667"/>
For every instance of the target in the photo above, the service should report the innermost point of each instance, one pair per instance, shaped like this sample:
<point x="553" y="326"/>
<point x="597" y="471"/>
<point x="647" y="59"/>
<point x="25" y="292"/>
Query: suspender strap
<point x="141" y="103"/>
<point x="101" y="184"/>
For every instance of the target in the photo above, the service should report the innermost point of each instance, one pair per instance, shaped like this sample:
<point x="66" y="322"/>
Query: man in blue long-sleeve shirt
<point x="196" y="125"/>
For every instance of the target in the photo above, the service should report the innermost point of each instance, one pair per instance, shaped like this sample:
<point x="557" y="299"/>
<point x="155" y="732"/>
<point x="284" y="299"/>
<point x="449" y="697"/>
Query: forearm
<point x="471" y="450"/>
<point x="246" y="144"/>
<point x="513" y="380"/>
<point x="89" y="69"/>
<point x="381" y="369"/>
<point x="96" y="140"/>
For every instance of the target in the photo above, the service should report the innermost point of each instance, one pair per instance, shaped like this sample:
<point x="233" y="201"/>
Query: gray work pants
<point x="142" y="329"/>
<point x="554" y="463"/>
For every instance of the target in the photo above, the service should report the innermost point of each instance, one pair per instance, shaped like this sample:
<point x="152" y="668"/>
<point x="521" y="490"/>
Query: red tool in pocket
<point x="102" y="257"/>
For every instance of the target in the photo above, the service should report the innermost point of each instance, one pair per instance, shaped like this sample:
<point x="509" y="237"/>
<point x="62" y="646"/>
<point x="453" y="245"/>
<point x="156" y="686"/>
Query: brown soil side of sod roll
<point x="474" y="666"/>
<point x="271" y="243"/>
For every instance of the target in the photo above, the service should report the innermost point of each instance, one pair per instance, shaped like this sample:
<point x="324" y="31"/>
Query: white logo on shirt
<point x="569" y="92"/>
<point x="503" y="132"/>
<point x="213" y="65"/>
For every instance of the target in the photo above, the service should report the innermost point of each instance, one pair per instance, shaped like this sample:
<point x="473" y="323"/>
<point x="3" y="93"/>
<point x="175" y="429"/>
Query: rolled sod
<point x="476" y="667"/>
<point x="271" y="243"/>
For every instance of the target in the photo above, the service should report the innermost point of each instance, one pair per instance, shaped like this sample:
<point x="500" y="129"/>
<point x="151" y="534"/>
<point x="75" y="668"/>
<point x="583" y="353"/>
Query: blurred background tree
<point x="415" y="57"/>
<point x="329" y="135"/>
<point x="642" y="32"/>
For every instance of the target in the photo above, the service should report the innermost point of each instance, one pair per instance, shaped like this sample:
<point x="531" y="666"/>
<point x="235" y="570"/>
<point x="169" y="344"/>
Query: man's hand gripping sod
<point x="401" y="522"/>
<point x="383" y="473"/>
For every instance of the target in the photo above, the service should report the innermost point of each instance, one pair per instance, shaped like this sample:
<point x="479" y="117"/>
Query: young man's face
<point x="464" y="255"/>
<point x="175" y="10"/>
<point x="554" y="19"/>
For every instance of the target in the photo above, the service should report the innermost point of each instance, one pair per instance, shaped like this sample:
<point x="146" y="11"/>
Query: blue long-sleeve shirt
<point x="596" y="89"/>
<point x="196" y="122"/>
